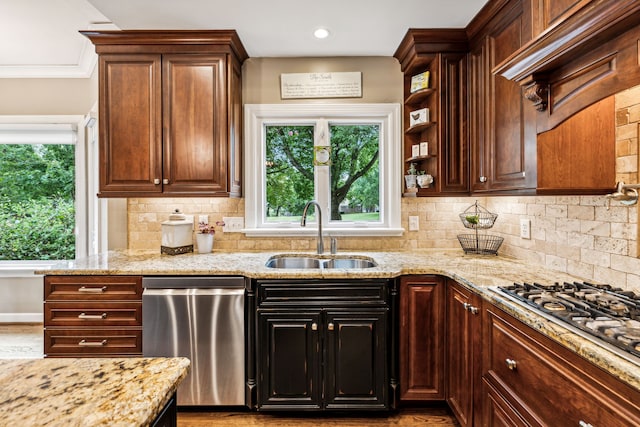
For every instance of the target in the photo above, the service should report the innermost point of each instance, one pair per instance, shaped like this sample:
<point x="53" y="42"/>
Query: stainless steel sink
<point x="293" y="262"/>
<point x="303" y="262"/>
<point x="349" y="263"/>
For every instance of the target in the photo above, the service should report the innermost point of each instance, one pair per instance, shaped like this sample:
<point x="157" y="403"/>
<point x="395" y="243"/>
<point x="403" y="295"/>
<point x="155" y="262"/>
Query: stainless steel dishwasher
<point x="201" y="318"/>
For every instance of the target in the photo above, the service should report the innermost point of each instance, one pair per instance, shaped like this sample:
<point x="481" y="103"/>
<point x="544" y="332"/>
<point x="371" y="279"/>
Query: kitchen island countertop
<point x="480" y="273"/>
<point x="87" y="391"/>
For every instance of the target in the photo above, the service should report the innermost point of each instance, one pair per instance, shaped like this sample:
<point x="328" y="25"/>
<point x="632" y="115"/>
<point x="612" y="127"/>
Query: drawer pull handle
<point x="92" y="290"/>
<point x="511" y="364"/>
<point x="470" y="308"/>
<point x="331" y="326"/>
<point x="584" y="424"/>
<point x="85" y="343"/>
<point x="92" y="316"/>
<point x="314" y="326"/>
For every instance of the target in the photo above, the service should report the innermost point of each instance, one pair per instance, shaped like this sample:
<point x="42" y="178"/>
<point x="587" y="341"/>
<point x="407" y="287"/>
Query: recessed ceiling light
<point x="321" y="33"/>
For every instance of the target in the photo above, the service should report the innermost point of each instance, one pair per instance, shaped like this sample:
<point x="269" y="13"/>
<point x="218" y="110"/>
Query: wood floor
<point x="26" y="341"/>
<point x="424" y="417"/>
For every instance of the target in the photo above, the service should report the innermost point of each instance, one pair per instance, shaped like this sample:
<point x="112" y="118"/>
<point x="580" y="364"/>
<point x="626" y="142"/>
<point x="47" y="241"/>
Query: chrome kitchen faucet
<point x="303" y="223"/>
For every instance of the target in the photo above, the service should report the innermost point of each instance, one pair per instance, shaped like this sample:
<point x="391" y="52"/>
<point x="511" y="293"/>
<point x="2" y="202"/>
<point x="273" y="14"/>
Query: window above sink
<point x="301" y="144"/>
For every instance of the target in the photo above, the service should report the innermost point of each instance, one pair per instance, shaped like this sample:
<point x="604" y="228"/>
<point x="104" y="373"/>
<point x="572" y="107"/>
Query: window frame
<point x="67" y="129"/>
<point x="257" y="116"/>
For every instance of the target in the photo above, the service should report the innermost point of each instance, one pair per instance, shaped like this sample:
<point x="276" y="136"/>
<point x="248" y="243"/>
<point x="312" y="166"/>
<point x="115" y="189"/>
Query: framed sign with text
<point x="321" y="85"/>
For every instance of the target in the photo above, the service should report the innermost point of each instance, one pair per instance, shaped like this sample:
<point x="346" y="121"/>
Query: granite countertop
<point x="480" y="273"/>
<point x="66" y="392"/>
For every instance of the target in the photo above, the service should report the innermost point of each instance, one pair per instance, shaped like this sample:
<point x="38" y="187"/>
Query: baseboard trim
<point x="21" y="318"/>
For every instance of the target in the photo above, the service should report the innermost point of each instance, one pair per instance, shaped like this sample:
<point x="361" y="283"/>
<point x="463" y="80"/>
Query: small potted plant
<point x="423" y="179"/>
<point x="205" y="235"/>
<point x="410" y="178"/>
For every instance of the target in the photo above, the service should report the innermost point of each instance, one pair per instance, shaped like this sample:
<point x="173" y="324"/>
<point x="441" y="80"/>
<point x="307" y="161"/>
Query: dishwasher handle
<point x="195" y="291"/>
<point x="193" y="282"/>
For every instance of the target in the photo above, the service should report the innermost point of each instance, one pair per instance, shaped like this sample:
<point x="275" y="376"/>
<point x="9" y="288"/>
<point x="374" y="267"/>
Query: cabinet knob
<point x="584" y="424"/>
<point x="511" y="364"/>
<point x="330" y="327"/>
<point x="483" y="179"/>
<point x="165" y="181"/>
<point x="156" y="181"/>
<point x="314" y="326"/>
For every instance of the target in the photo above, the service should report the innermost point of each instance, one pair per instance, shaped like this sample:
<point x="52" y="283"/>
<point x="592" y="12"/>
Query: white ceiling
<point x="39" y="38"/>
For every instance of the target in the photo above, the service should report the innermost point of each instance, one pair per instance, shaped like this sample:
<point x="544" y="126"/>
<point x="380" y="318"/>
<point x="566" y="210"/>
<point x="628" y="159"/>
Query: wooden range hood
<point x="590" y="52"/>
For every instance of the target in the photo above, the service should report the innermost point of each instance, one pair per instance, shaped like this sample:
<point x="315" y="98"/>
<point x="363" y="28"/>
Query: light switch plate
<point x="233" y="224"/>
<point x="414" y="223"/>
<point x="525" y="228"/>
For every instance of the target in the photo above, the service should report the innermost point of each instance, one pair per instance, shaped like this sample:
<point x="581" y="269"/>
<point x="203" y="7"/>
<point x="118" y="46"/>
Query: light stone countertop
<point x="480" y="273"/>
<point x="87" y="392"/>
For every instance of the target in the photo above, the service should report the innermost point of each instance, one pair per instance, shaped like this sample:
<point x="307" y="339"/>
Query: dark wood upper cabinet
<point x="170" y="112"/>
<point x="583" y="52"/>
<point x="443" y="54"/>
<point x="502" y="137"/>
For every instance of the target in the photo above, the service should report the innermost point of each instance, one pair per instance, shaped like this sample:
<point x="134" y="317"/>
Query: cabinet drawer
<point x="78" y="314"/>
<point x="322" y="293"/>
<point x="97" y="342"/>
<point x="549" y="385"/>
<point x="94" y="288"/>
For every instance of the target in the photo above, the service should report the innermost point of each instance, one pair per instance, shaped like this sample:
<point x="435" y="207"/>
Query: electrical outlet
<point x="414" y="223"/>
<point x="525" y="228"/>
<point x="203" y="218"/>
<point x="233" y="224"/>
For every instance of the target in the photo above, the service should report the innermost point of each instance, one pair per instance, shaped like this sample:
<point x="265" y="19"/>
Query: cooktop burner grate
<point x="601" y="310"/>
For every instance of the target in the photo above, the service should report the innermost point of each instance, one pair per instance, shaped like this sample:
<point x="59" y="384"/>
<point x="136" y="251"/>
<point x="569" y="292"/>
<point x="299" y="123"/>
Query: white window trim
<point x="70" y="129"/>
<point x="257" y="115"/>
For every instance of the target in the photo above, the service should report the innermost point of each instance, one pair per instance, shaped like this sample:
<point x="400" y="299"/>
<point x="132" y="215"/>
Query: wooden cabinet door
<point x="463" y="350"/>
<point x="195" y="124"/>
<point x="288" y="355"/>
<point x="130" y="124"/>
<point x="421" y="338"/>
<point x="454" y="157"/>
<point x="356" y="359"/>
<point x="504" y="156"/>
<point x="546" y="383"/>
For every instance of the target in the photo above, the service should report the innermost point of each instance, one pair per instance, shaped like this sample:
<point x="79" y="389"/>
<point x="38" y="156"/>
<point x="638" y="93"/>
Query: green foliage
<point x="290" y="169"/>
<point x="290" y="172"/>
<point x="37" y="230"/>
<point x="354" y="163"/>
<point x="37" y="213"/>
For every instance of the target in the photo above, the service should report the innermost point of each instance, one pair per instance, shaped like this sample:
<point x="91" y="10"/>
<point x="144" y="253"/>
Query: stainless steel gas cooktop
<point x="608" y="313"/>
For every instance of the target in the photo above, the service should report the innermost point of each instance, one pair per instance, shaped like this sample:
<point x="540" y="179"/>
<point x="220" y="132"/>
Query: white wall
<point x="21" y="299"/>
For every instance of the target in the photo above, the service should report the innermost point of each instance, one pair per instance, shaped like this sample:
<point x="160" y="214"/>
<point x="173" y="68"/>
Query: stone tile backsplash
<point x="573" y="234"/>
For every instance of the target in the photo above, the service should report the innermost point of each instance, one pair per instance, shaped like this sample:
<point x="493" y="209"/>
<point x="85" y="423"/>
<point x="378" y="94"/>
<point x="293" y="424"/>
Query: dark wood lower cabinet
<point x="463" y="351"/>
<point x="531" y="380"/>
<point x="356" y="359"/>
<point x="168" y="416"/>
<point x="421" y="338"/>
<point x="317" y="349"/>
<point x="289" y="359"/>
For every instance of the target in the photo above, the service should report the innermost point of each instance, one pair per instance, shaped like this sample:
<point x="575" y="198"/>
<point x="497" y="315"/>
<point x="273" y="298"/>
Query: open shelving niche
<point x="423" y="132"/>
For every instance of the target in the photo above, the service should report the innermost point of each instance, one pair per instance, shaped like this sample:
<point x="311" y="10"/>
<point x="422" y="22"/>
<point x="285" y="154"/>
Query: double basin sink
<point x="311" y="262"/>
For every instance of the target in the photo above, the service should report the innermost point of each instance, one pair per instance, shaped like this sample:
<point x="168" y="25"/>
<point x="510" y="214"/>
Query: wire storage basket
<point x="485" y="244"/>
<point x="477" y="218"/>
